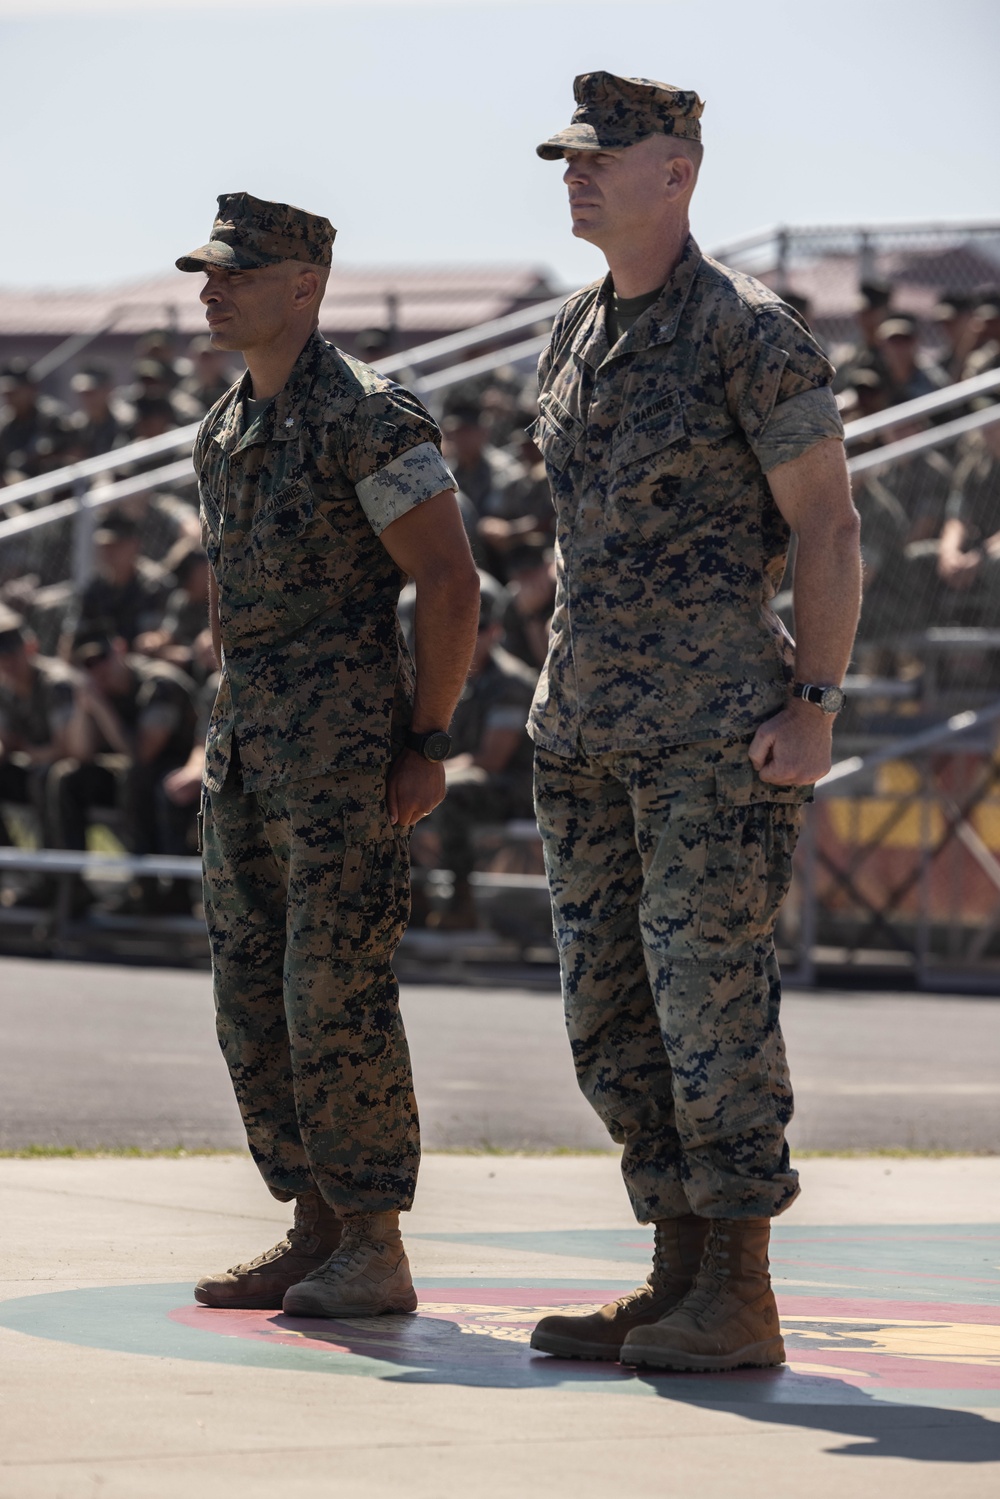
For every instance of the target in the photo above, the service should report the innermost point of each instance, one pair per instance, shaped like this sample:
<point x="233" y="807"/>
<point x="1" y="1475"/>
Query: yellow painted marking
<point x="933" y="1342"/>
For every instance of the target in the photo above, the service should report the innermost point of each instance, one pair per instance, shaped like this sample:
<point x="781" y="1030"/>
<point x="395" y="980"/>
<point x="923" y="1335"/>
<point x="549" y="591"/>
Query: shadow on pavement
<point x="433" y="1350"/>
<point x="476" y="1337"/>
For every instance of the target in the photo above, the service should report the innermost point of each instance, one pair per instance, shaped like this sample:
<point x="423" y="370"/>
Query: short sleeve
<point x="392" y="456"/>
<point x="779" y="387"/>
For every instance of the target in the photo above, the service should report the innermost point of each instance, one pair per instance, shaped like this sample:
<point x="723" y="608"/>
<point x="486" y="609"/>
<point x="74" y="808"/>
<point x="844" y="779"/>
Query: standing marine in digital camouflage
<point x="322" y="489"/>
<point x="688" y="426"/>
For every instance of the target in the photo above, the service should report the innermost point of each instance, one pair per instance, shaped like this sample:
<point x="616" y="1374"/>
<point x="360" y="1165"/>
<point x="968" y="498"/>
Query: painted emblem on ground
<point x="869" y="1314"/>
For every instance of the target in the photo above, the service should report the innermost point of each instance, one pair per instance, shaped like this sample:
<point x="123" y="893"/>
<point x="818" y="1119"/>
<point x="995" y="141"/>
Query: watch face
<point x="437" y="746"/>
<point x="832" y="700"/>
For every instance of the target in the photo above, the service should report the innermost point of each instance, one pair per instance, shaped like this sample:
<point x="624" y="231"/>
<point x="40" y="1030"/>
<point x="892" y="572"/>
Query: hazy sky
<point x="413" y="125"/>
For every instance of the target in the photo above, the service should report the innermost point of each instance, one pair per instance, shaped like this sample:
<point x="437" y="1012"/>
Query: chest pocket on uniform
<point x="287" y="515"/>
<point x="556" y="432"/>
<point x="649" y="430"/>
<point x="644" y="463"/>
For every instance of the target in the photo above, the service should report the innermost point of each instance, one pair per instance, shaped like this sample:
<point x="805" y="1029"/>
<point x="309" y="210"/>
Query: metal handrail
<point x="97" y="499"/>
<point x="75" y="344"/>
<point x="457" y="373"/>
<point x="104" y="463"/>
<point x="468" y="338"/>
<point x="183" y="437"/>
<point x="921" y="406"/>
<point x="935" y="437"/>
<point x="899" y="749"/>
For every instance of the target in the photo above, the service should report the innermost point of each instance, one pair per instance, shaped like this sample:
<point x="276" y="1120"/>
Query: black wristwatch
<point x="830" y="699"/>
<point x="434" y="746"/>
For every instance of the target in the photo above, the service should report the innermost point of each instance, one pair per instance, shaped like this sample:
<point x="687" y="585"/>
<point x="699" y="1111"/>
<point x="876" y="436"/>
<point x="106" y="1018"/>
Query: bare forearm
<point x="429" y="545"/>
<point x="444" y="633"/>
<point x="813" y="494"/>
<point x="827" y="598"/>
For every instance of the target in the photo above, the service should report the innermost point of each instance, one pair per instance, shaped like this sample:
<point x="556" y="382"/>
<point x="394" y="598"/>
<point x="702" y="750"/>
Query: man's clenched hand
<point x="414" y="788"/>
<point x="795" y="747"/>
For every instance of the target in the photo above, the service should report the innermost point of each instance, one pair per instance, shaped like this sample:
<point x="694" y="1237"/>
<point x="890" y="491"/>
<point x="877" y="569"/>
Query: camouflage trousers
<point x="307" y="897"/>
<point x="666" y="871"/>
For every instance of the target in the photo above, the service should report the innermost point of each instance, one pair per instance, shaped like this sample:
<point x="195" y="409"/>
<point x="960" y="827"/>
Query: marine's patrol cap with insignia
<point x="249" y="233"/>
<point x="613" y="112"/>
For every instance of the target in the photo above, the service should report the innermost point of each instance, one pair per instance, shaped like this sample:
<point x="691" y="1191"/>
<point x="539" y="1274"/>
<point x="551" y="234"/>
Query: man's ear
<point x="306" y="288"/>
<point x="681" y="176"/>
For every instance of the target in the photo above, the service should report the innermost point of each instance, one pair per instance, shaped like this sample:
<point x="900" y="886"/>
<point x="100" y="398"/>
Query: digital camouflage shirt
<point x="292" y="510"/>
<point x="669" y="543"/>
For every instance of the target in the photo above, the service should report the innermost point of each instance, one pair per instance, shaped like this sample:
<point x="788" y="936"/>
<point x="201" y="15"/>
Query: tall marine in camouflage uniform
<point x="322" y="489"/>
<point x="688" y="426"/>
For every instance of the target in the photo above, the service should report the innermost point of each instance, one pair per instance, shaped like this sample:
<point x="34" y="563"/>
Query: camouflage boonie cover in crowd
<point x="315" y="672"/>
<point x="249" y="233"/>
<point x="614" y="112"/>
<point x="669" y="545"/>
<point x="667" y="869"/>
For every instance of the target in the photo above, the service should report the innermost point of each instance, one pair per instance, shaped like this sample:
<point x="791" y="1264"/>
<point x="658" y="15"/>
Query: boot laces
<point x="709" y="1285"/>
<point x="353" y="1253"/>
<point x="342" y="1262"/>
<point x="663" y="1266"/>
<point x="269" y="1255"/>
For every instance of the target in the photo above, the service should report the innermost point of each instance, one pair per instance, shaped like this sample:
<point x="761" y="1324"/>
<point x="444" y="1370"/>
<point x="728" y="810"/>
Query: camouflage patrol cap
<point x="249" y="233"/>
<point x="613" y="112"/>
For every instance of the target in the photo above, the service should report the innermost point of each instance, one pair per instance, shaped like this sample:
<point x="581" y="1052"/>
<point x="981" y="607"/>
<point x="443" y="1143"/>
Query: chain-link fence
<point x="899" y="866"/>
<point x="903" y="858"/>
<point x="827" y="265"/>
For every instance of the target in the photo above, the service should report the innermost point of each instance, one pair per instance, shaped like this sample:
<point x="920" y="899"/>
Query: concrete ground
<point x="110" y="1056"/>
<point x="115" y="1385"/>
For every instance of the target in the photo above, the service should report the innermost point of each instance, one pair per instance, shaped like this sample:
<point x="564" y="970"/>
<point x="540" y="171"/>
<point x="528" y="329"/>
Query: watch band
<point x="434" y="746"/>
<point x="829" y="698"/>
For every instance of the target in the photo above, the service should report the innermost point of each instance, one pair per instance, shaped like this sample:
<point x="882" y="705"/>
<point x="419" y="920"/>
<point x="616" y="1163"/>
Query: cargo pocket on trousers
<point x="373" y="900"/>
<point x="748" y="862"/>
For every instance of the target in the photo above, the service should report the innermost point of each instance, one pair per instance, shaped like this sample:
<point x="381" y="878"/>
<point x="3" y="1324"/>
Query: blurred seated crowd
<point x="106" y="691"/>
<point x="930" y="521"/>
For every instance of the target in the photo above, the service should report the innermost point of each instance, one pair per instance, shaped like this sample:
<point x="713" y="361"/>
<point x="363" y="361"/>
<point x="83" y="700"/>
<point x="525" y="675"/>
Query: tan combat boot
<point x="261" y="1283"/>
<point x="368" y="1274"/>
<point x="677" y="1251"/>
<point x="728" y="1318"/>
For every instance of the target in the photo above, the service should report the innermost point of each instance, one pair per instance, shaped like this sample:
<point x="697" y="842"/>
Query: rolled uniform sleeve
<point x="393" y="457"/>
<point x="780" y="389"/>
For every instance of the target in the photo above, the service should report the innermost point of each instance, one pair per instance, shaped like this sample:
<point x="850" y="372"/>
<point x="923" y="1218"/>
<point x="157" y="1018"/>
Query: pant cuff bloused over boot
<point x="307" y="897"/>
<point x="667" y="869"/>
